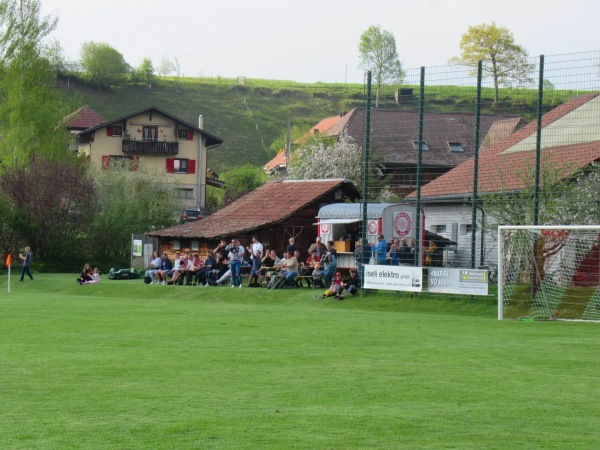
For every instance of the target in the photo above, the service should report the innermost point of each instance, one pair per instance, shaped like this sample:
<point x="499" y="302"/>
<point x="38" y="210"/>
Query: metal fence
<point x="472" y="156"/>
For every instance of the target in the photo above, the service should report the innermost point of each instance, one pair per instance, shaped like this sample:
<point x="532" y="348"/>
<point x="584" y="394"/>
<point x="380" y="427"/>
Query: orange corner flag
<point x="9" y="259"/>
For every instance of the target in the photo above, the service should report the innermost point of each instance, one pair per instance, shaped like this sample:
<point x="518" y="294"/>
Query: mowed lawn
<point x="123" y="365"/>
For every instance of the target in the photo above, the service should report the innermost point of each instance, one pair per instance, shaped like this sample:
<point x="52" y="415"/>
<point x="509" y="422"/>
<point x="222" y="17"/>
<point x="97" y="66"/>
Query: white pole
<point x="9" y="278"/>
<point x="500" y="279"/>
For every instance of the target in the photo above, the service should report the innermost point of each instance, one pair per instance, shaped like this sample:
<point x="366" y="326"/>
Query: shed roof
<point x="84" y="118"/>
<point x="352" y="210"/>
<point x="268" y="205"/>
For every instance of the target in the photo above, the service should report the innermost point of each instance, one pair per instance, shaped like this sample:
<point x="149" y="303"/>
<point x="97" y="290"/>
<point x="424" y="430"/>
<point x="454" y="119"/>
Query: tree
<point x="378" y="54"/>
<point x="128" y="202"/>
<point x="22" y="29"/>
<point x="165" y="67"/>
<point x="53" y="211"/>
<point x="146" y="72"/>
<point x="327" y="158"/>
<point x="103" y="65"/>
<point x="31" y="109"/>
<point x="502" y="59"/>
<point x="240" y="180"/>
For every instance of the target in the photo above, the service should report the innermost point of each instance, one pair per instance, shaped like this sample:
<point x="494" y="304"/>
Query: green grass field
<point x="122" y="365"/>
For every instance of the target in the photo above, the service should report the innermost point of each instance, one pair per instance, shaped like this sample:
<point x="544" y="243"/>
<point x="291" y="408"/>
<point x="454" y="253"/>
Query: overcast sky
<point x="311" y="40"/>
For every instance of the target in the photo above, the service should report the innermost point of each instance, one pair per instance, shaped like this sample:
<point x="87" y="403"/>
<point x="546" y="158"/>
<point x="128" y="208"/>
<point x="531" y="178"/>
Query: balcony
<point x="133" y="147"/>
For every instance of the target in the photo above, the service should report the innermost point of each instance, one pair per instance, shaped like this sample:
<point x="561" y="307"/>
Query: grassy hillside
<point x="249" y="116"/>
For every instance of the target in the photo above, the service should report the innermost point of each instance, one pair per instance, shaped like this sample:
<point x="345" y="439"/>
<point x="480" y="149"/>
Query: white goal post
<point x="549" y="272"/>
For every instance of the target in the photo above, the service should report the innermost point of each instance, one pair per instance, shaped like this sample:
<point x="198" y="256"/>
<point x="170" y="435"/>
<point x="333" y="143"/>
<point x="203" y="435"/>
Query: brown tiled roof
<point x="278" y="161"/>
<point x="84" y="118"/>
<point x="270" y="204"/>
<point x="393" y="133"/>
<point x="501" y="169"/>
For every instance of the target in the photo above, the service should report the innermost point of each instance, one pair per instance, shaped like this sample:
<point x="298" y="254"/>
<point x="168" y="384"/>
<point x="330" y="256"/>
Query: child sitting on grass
<point x="95" y="277"/>
<point x="335" y="288"/>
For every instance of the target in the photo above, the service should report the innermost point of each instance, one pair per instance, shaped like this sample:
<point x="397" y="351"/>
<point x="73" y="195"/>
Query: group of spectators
<point x="267" y="269"/>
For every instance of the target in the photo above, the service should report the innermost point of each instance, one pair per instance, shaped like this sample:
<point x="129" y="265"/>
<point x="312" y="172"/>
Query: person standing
<point x="318" y="247"/>
<point x="235" y="262"/>
<point x="379" y="250"/>
<point x="26" y="259"/>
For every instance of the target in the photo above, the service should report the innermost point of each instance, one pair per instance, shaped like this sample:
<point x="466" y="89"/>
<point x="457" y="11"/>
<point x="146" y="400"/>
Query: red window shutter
<point x="191" y="166"/>
<point x="109" y="131"/>
<point x="135" y="163"/>
<point x="170" y="165"/>
<point x="105" y="162"/>
<point x="190" y="136"/>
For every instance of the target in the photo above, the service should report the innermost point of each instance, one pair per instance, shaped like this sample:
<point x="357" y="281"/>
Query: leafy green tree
<point x="128" y="202"/>
<point x="31" y="109"/>
<point x="102" y="64"/>
<point x="378" y="54"/>
<point x="502" y="59"/>
<point x="146" y="72"/>
<point x="298" y="133"/>
<point x="240" y="180"/>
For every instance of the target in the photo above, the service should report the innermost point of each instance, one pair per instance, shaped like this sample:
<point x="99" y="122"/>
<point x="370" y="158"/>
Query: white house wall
<point x="447" y="215"/>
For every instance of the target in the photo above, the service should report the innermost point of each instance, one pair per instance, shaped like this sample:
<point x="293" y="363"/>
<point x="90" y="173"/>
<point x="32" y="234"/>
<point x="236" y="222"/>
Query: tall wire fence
<point x="471" y="155"/>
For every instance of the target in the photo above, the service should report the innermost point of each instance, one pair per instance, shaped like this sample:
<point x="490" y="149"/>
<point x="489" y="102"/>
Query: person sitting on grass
<point x="86" y="274"/>
<point x="334" y="288"/>
<point x="95" y="277"/>
<point x="350" y="286"/>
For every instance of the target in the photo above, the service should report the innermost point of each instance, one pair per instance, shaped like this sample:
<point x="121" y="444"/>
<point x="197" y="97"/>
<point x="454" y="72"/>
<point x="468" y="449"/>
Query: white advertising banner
<point x="457" y="281"/>
<point x="393" y="278"/>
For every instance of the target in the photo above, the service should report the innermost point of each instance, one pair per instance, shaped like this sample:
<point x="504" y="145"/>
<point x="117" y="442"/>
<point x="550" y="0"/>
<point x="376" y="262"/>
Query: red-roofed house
<point x="570" y="141"/>
<point x="448" y="139"/>
<point x="275" y="212"/>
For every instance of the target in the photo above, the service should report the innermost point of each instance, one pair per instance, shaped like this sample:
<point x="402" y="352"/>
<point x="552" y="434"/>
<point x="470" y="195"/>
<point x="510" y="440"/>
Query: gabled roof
<point x="268" y="205"/>
<point x="393" y="133"/>
<point x="211" y="140"/>
<point x="278" y="162"/>
<point x="84" y="118"/>
<point x="570" y="141"/>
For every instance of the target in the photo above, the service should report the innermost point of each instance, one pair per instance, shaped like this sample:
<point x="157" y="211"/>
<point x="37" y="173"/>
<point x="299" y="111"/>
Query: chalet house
<point x="80" y="120"/>
<point x="448" y="141"/>
<point x="159" y="140"/>
<point x="570" y="141"/>
<point x="275" y="212"/>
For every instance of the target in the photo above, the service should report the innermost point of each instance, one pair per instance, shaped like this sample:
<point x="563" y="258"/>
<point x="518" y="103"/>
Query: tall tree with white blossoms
<point x="328" y="158"/>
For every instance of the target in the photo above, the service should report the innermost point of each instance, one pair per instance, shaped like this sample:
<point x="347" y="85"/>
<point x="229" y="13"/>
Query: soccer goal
<point x="549" y="272"/>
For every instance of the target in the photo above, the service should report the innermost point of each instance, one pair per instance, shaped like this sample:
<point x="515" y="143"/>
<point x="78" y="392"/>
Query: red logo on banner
<point x="373" y="227"/>
<point x="402" y="224"/>
<point x="325" y="227"/>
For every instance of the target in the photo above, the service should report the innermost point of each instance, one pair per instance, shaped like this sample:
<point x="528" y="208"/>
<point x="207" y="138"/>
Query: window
<point x="150" y="133"/>
<point x="456" y="147"/>
<point x="118" y="162"/>
<point x="184" y="193"/>
<point x="186" y="135"/>
<point x="416" y="145"/>
<point x="180" y="165"/>
<point x="466" y="228"/>
<point x="176" y="245"/>
<point x="439" y="229"/>
<point x="177" y="165"/>
<point x="114" y="130"/>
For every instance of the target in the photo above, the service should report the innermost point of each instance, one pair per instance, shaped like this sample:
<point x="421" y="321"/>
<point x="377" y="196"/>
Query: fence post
<point x="476" y="167"/>
<point x="538" y="143"/>
<point x="418" y="233"/>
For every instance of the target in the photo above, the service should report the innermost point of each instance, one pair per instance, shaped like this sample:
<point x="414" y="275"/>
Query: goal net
<point x="549" y="272"/>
